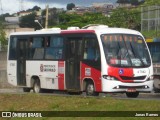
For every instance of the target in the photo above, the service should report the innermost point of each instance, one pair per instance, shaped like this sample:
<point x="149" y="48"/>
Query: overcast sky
<point x="12" y="6"/>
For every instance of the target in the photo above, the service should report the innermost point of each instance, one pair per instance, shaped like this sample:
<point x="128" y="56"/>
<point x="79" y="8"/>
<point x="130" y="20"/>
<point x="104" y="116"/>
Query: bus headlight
<point x="151" y="77"/>
<point x="107" y="77"/>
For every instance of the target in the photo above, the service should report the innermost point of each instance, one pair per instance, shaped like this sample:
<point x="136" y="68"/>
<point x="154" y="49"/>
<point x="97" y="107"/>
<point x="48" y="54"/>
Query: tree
<point x="134" y="2"/>
<point x="66" y="20"/>
<point x="152" y="2"/>
<point x="122" y="1"/>
<point x="70" y="6"/>
<point x="2" y="16"/>
<point x="36" y="8"/>
<point x="123" y="17"/>
<point x="28" y="21"/>
<point x="3" y="41"/>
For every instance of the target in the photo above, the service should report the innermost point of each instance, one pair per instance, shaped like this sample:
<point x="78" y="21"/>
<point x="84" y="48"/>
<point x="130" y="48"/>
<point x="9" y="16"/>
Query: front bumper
<point x="118" y="86"/>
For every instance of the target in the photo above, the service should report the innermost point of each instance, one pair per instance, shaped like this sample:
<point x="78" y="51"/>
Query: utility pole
<point x="46" y="22"/>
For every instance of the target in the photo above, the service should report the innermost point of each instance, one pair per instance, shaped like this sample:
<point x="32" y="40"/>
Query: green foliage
<point x="36" y="8"/>
<point x="28" y="21"/>
<point x="67" y="20"/>
<point x="70" y="6"/>
<point x="152" y="2"/>
<point x="2" y="16"/>
<point x="120" y="17"/>
<point x="151" y="34"/>
<point x="123" y="17"/>
<point x="122" y="1"/>
<point x="2" y="36"/>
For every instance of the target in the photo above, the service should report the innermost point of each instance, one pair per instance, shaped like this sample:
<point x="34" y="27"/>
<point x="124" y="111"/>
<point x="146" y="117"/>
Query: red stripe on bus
<point x="61" y="75"/>
<point x="77" y="31"/>
<point x="93" y="74"/>
<point x="121" y="73"/>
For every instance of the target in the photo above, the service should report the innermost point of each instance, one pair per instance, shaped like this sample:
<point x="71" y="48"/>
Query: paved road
<point x="142" y="96"/>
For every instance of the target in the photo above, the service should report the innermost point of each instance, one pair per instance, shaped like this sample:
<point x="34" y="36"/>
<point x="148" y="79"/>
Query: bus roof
<point x="105" y="30"/>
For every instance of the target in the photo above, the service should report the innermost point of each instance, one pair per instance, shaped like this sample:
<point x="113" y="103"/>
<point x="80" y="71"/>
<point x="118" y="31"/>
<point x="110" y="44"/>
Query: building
<point x="12" y="25"/>
<point x="24" y="13"/>
<point x="104" y="8"/>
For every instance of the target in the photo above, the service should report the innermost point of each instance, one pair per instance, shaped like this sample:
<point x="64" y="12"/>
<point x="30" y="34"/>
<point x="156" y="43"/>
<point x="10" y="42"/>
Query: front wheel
<point x="36" y="86"/>
<point x="132" y="94"/>
<point x="90" y="89"/>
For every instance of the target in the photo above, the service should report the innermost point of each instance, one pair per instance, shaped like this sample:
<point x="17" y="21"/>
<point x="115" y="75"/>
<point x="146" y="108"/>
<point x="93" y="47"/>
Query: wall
<point x="3" y="70"/>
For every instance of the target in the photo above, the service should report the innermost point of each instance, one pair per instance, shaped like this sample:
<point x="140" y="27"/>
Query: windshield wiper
<point x="136" y="55"/>
<point x="120" y="52"/>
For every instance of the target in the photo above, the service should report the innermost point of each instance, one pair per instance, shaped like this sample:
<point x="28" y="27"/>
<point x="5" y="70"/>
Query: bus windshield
<point x="125" y="50"/>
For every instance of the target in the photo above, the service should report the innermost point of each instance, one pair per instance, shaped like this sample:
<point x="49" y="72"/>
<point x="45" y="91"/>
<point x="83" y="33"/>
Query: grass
<point x="38" y="102"/>
<point x="151" y="34"/>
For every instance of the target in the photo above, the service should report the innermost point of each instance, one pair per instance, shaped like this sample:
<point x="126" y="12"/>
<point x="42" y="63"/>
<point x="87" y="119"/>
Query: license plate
<point x="131" y="90"/>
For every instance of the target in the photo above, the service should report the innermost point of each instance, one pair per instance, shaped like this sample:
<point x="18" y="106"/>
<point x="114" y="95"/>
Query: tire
<point x="132" y="94"/>
<point x="26" y="89"/>
<point x="156" y="90"/>
<point x="90" y="89"/>
<point x="37" y="87"/>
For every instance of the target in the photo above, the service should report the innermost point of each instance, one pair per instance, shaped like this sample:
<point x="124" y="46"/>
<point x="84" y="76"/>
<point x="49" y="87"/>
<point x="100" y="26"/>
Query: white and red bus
<point x="94" y="59"/>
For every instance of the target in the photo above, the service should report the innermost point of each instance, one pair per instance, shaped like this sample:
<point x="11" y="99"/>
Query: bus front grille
<point x="133" y="78"/>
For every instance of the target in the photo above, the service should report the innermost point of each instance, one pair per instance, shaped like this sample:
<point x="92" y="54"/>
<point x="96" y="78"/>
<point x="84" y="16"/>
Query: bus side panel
<point x="47" y="71"/>
<point x="12" y="72"/>
<point x="92" y="73"/>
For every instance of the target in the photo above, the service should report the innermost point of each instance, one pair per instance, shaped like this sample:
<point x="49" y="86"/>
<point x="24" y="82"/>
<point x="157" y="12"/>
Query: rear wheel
<point x="90" y="89"/>
<point x="132" y="94"/>
<point x="36" y="86"/>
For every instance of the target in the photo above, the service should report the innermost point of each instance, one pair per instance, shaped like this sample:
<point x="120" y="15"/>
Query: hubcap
<point x="90" y="89"/>
<point x="36" y="88"/>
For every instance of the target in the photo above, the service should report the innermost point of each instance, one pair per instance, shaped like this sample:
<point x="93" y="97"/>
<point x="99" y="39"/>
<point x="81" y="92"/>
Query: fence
<point x="150" y="18"/>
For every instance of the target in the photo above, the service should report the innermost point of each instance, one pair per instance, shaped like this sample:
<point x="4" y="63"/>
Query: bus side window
<point x="91" y="50"/>
<point x="12" y="49"/>
<point x="54" y="48"/>
<point x="31" y="49"/>
<point x="38" y="47"/>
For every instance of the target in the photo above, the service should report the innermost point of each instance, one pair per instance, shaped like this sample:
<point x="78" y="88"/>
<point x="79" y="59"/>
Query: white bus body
<point x="80" y="60"/>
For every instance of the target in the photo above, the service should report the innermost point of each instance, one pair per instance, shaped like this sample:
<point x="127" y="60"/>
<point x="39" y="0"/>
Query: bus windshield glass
<point x="125" y="50"/>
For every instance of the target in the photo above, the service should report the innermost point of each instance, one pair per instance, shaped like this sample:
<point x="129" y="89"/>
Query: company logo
<point x="6" y="114"/>
<point x="21" y="114"/>
<point x="47" y="68"/>
<point x="121" y="71"/>
<point x="41" y="67"/>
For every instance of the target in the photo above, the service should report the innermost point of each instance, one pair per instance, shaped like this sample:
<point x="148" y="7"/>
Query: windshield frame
<point x="135" y="60"/>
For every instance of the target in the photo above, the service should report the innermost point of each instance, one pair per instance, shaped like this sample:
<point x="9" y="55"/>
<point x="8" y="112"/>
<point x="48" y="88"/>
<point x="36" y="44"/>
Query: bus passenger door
<point x="73" y="64"/>
<point x="21" y="61"/>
